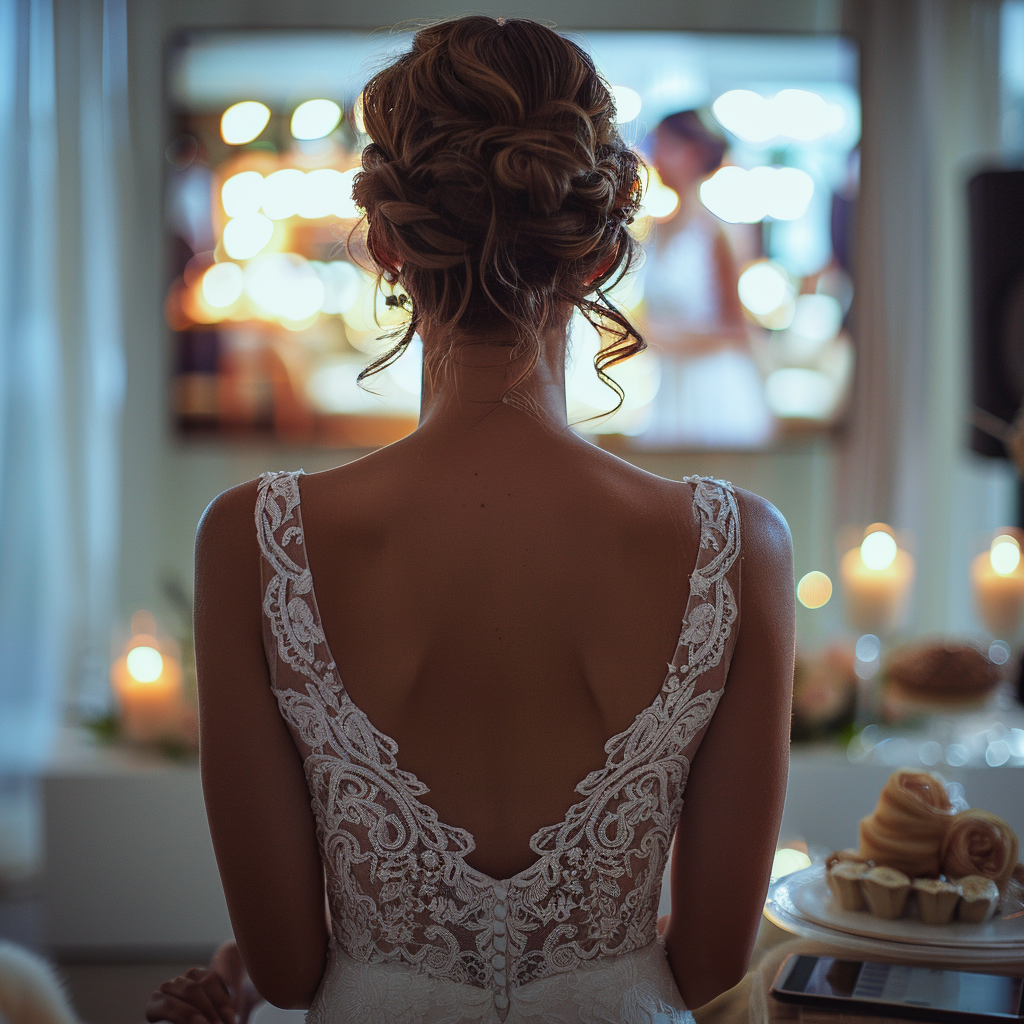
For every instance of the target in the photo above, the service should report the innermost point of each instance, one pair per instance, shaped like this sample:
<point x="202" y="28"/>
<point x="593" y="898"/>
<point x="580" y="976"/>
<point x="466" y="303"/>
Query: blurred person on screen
<point x="711" y="392"/>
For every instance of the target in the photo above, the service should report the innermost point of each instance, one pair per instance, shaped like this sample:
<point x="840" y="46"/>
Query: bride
<point x="451" y="693"/>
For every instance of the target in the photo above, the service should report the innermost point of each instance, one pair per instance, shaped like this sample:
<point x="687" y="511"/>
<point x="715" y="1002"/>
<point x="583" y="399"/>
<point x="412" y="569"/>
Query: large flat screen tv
<point x="744" y="293"/>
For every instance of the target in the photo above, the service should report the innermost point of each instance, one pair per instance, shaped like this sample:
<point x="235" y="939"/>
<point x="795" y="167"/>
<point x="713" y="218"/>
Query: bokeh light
<point x="659" y="201"/>
<point x="814" y="590"/>
<point x="284" y="285"/>
<point x="222" y="284"/>
<point x="243" y="122"/>
<point x="343" y="284"/>
<point x="792" y="113"/>
<point x="1004" y="554"/>
<point x="627" y="103"/>
<point x="247" y="236"/>
<point x="242" y="193"/>
<point x="739" y="196"/>
<point x="868" y="648"/>
<point x="283" y="193"/>
<point x="878" y="549"/>
<point x="817" y="318"/>
<point x="764" y="287"/>
<point x="345" y="206"/>
<point x="321" y="192"/>
<point x="786" y="861"/>
<point x="999" y="652"/>
<point x="315" y="119"/>
<point x="144" y="664"/>
<point x="797" y="393"/>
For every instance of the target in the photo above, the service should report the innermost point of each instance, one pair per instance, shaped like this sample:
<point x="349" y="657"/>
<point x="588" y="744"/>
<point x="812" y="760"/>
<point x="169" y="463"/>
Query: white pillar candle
<point x="997" y="578"/>
<point x="876" y="578"/>
<point x="147" y="685"/>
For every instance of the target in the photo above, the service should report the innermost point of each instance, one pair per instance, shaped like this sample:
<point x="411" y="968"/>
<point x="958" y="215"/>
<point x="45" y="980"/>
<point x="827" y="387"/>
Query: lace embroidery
<point x="399" y="887"/>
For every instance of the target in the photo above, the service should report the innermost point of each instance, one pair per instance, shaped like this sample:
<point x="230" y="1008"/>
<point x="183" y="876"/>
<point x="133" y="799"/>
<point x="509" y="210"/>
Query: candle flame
<point x="878" y="549"/>
<point x="144" y="664"/>
<point x="1004" y="554"/>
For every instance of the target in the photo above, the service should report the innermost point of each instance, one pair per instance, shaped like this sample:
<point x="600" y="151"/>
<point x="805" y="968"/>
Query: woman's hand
<point x="219" y="994"/>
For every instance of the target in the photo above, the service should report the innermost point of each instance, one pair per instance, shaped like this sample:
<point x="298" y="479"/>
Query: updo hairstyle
<point x="495" y="185"/>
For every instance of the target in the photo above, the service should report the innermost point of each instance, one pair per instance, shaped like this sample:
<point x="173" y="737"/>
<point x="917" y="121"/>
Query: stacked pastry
<point x="916" y="845"/>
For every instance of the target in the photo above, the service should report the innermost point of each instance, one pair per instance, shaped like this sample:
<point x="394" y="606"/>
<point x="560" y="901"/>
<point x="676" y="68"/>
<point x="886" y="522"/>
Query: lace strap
<point x="291" y="630"/>
<point x="708" y="611"/>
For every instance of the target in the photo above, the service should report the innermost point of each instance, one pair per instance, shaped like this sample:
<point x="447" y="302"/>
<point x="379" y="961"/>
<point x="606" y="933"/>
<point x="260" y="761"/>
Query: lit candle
<point x="147" y="684"/>
<point x="998" y="579"/>
<point x="876" y="578"/>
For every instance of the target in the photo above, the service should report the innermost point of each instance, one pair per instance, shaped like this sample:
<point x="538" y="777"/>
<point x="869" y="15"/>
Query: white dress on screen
<point x="421" y="937"/>
<point x="705" y="400"/>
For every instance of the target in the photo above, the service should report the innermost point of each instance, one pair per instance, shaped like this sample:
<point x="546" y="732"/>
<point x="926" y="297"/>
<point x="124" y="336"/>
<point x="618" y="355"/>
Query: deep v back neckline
<point x="620" y="740"/>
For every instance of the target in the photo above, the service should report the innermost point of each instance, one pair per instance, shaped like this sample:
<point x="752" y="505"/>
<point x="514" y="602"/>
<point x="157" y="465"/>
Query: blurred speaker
<point x="996" y="210"/>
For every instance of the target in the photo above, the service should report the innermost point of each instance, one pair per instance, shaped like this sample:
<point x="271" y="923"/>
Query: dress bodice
<point x="400" y="891"/>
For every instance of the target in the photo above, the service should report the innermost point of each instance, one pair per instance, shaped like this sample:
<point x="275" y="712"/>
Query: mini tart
<point x="839" y="856"/>
<point x="936" y="899"/>
<point x="844" y="880"/>
<point x="978" y="898"/>
<point x="886" y="891"/>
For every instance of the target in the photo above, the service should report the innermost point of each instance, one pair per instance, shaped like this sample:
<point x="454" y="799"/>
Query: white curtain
<point x="62" y="132"/>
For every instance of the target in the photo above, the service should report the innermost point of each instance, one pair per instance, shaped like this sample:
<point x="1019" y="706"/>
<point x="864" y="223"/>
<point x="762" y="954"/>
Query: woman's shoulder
<point x="229" y="528"/>
<point x="764" y="526"/>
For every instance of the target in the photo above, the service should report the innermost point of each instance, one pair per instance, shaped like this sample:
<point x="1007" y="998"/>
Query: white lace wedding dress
<point x="418" y="934"/>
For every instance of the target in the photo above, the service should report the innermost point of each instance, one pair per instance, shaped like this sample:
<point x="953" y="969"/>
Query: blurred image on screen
<point x="744" y="293"/>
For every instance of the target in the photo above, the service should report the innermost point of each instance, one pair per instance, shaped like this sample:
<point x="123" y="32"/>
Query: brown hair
<point x="496" y="183"/>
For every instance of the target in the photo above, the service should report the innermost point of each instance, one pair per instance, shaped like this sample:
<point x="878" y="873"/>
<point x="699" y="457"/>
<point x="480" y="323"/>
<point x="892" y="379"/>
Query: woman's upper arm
<point x="257" y="800"/>
<point x="733" y="803"/>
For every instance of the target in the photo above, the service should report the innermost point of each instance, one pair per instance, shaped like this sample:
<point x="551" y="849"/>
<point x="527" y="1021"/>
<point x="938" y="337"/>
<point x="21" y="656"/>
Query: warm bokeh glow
<point x="814" y="590"/>
<point x="315" y="119"/>
<point x="878" y="549"/>
<point x="344" y="205"/>
<point x="247" y="236"/>
<point x="243" y="122"/>
<point x="739" y="196"/>
<point x="792" y="113"/>
<point x="284" y="285"/>
<point x="659" y="200"/>
<point x="764" y="287"/>
<point x="242" y="193"/>
<point x="322" y="191"/>
<point x="283" y="193"/>
<point x="796" y="393"/>
<point x="787" y="861"/>
<point x="1004" y="554"/>
<point x="145" y="664"/>
<point x="627" y="103"/>
<point x="817" y="318"/>
<point x="222" y="284"/>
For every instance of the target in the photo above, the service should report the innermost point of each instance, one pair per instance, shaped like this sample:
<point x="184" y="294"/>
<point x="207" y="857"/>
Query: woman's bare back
<point x="500" y="618"/>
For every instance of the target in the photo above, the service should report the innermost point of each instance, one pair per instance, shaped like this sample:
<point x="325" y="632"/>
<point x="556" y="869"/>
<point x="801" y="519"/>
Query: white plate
<point x="801" y="903"/>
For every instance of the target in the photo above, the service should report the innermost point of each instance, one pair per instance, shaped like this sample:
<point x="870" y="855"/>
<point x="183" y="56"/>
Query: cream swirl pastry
<point x="980" y="843"/>
<point x="908" y="827"/>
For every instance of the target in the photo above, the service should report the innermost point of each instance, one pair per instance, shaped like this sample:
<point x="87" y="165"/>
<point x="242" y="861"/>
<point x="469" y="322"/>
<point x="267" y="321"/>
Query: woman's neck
<point x="473" y="388"/>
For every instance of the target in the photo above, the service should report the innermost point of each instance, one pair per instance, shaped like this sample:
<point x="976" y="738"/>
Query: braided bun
<point x="496" y="184"/>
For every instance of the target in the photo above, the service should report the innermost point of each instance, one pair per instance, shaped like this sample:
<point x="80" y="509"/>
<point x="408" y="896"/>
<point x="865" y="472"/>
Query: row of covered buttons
<point x="500" y="944"/>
